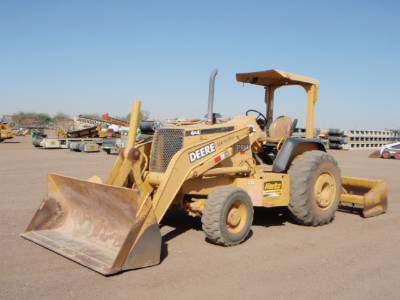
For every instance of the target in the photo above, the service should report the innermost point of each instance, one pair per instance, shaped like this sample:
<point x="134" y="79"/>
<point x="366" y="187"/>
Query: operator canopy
<point x="275" y="78"/>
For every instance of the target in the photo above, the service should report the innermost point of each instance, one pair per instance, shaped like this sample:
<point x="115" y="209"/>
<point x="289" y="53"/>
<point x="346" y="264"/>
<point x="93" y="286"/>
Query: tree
<point x="92" y="115"/>
<point x="31" y="118"/>
<point x="61" y="117"/>
<point x="43" y="118"/>
<point x="62" y="120"/>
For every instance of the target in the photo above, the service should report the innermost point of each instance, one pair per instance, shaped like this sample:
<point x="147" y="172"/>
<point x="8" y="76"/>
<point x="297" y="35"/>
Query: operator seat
<point x="281" y="128"/>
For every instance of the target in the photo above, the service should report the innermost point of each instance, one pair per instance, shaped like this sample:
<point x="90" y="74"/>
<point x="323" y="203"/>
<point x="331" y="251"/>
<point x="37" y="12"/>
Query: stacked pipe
<point x="336" y="138"/>
<point x="361" y="139"/>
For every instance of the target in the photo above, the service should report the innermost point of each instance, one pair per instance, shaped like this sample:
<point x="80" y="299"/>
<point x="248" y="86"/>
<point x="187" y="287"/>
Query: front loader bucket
<point x="368" y="195"/>
<point x="103" y="227"/>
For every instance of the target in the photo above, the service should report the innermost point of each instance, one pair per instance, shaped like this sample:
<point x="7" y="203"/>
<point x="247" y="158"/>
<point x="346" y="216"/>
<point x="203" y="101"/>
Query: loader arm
<point x="181" y="168"/>
<point x="106" y="227"/>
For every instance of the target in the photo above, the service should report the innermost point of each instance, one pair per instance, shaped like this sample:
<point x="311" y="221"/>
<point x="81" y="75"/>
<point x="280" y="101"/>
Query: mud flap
<point x="103" y="227"/>
<point x="369" y="196"/>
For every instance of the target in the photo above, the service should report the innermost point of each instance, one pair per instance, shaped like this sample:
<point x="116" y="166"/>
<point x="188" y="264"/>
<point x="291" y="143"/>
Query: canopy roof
<point x="275" y="77"/>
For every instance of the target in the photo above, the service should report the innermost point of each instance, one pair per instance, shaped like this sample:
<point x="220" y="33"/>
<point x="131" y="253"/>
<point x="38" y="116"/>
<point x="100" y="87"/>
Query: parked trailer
<point x="54" y="143"/>
<point x="85" y="146"/>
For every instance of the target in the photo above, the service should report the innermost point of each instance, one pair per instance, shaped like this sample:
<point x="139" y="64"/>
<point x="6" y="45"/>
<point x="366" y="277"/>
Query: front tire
<point x="315" y="188"/>
<point x="227" y="216"/>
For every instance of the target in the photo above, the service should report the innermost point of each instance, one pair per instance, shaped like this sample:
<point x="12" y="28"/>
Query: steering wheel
<point x="260" y="119"/>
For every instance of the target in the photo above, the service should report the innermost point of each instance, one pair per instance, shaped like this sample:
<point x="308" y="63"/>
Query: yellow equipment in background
<point x="5" y="132"/>
<point x="214" y="169"/>
<point x="61" y="133"/>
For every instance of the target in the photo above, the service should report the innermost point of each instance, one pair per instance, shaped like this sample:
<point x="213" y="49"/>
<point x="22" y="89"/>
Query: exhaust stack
<point x="211" y="88"/>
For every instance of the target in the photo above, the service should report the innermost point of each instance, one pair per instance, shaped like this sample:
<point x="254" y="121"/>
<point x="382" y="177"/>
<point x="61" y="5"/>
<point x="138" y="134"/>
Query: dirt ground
<point x="352" y="258"/>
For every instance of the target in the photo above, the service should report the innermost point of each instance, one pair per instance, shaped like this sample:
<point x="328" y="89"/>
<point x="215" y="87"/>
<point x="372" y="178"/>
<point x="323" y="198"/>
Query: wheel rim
<point x="325" y="190"/>
<point x="386" y="155"/>
<point x="236" y="217"/>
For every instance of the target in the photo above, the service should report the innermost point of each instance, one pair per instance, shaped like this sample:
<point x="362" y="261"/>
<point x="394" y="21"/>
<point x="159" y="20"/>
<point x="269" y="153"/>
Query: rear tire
<point x="385" y="154"/>
<point x="227" y="216"/>
<point x="315" y="188"/>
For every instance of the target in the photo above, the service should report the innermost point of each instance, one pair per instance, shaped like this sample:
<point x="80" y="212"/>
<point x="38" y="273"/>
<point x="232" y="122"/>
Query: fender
<point x="292" y="147"/>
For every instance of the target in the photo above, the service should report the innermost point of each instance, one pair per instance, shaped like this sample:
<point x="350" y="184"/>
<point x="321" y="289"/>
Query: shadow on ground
<point x="181" y="222"/>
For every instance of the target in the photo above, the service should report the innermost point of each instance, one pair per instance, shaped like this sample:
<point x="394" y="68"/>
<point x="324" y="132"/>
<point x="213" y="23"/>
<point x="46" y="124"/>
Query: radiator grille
<point x="166" y="142"/>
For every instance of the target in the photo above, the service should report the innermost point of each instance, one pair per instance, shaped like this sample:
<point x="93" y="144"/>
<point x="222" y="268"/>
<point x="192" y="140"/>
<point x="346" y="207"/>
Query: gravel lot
<point x="352" y="258"/>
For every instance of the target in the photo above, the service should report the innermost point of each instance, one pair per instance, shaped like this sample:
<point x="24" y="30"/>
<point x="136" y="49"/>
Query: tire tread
<point x="301" y="172"/>
<point x="211" y="215"/>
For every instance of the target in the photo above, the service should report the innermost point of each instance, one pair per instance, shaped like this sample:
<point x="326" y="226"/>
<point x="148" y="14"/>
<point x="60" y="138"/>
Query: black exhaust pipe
<point x="211" y="88"/>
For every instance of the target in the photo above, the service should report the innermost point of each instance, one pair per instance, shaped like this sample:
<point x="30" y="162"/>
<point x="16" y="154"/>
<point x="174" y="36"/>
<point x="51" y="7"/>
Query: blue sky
<point x="97" y="56"/>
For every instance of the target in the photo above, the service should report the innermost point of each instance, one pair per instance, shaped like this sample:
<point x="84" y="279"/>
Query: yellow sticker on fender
<point x="272" y="188"/>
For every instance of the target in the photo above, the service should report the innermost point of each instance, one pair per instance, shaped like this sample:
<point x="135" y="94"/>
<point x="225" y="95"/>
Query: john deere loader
<point x="215" y="169"/>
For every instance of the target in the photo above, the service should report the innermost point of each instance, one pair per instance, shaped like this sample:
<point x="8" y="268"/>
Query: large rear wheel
<point x="315" y="188"/>
<point x="227" y="216"/>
